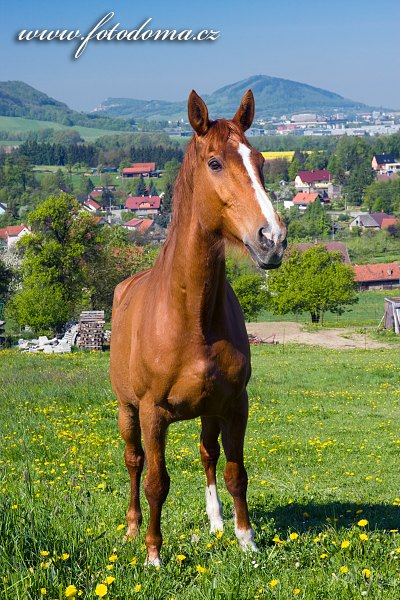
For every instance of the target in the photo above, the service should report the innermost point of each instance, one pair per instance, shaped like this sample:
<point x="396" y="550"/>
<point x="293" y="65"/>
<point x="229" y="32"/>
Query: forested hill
<point x="18" y="99"/>
<point x="274" y="97"/>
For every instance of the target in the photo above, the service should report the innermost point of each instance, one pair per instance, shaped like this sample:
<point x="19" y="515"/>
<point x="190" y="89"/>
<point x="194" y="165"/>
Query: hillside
<point x="18" y="99"/>
<point x="274" y="97"/>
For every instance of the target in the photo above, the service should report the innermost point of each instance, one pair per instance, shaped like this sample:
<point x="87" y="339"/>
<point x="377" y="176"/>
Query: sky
<point x="350" y="47"/>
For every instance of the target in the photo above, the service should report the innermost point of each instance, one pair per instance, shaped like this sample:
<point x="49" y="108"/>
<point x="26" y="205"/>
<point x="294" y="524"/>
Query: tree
<point x="64" y="241"/>
<point x="140" y="189"/>
<point x="248" y="283"/>
<point x="313" y="281"/>
<point x="164" y="217"/>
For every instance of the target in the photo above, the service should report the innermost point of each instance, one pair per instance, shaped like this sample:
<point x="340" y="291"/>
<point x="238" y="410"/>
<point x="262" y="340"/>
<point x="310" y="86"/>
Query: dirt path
<point x="287" y="332"/>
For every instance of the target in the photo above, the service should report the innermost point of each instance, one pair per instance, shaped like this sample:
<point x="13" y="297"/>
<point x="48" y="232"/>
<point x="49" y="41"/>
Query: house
<point x="10" y="235"/>
<point x="330" y="246"/>
<point x="373" y="221"/>
<point x="137" y="169"/>
<point x="378" y="276"/>
<point x="319" y="181"/>
<point x="91" y="205"/>
<point x="392" y="314"/>
<point x="385" y="163"/>
<point x="141" y="225"/>
<point x="3" y="208"/>
<point x="143" y="205"/>
<point x="302" y="200"/>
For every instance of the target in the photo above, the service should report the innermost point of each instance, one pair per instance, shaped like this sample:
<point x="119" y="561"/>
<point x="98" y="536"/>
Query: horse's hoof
<point x="154" y="562"/>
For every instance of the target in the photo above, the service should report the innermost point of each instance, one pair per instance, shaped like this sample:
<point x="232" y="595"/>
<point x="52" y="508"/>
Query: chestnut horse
<point x="179" y="346"/>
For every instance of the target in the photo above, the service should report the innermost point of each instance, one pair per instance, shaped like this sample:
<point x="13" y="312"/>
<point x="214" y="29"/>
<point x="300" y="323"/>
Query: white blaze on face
<point x="214" y="509"/>
<point x="261" y="195"/>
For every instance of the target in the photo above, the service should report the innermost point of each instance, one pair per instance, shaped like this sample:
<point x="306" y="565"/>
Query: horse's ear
<point x="198" y="114"/>
<point x="245" y="113"/>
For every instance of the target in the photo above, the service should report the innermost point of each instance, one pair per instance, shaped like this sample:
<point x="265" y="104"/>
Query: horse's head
<point x="229" y="177"/>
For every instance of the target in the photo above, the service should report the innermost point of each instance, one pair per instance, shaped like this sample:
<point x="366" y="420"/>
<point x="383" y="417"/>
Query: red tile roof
<point x="143" y="202"/>
<point x="11" y="231"/>
<point x="304" y="198"/>
<point x="313" y="176"/>
<point x="377" y="272"/>
<point x="140" y="168"/>
<point x="388" y="221"/>
<point x="93" y="204"/>
<point x="141" y="225"/>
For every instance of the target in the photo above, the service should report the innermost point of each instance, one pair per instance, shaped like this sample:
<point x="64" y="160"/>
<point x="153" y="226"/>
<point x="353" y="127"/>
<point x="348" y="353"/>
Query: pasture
<point x="13" y="125"/>
<point x="322" y="454"/>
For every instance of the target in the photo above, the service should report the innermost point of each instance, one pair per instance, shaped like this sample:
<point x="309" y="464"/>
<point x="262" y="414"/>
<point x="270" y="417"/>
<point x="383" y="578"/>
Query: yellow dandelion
<point x="345" y="544"/>
<point x="296" y="591"/>
<point x="362" y="523"/>
<point x="277" y="540"/>
<point x="137" y="587"/>
<point x="109" y="580"/>
<point x="64" y="556"/>
<point x="323" y="555"/>
<point x="219" y="535"/>
<point x="120" y="527"/>
<point x="363" y="537"/>
<point x="344" y="569"/>
<point x="294" y="536"/>
<point x="133" y="561"/>
<point x="70" y="592"/>
<point x="44" y="553"/>
<point x="101" y="590"/>
<point x="113" y="558"/>
<point x="200" y="569"/>
<point x="43" y="591"/>
<point x="273" y="583"/>
<point x="366" y="573"/>
<point x="180" y="557"/>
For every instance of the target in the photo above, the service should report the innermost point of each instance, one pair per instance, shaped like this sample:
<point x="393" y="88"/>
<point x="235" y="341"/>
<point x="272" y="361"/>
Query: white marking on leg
<point x="214" y="509"/>
<point x="261" y="195"/>
<point x="245" y="538"/>
<point x="153" y="562"/>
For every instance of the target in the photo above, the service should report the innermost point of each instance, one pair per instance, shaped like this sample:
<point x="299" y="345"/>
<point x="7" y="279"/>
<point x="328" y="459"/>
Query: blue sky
<point x="347" y="46"/>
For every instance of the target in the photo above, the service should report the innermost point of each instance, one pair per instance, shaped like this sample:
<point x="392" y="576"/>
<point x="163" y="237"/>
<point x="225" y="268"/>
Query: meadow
<point x="322" y="453"/>
<point x="19" y="125"/>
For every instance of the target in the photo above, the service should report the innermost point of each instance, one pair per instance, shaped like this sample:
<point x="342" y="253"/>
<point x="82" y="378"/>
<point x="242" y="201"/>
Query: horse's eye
<point x="214" y="164"/>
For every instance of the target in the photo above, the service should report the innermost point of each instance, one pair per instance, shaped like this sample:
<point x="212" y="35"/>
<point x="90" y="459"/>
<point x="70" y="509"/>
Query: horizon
<point x="311" y="44"/>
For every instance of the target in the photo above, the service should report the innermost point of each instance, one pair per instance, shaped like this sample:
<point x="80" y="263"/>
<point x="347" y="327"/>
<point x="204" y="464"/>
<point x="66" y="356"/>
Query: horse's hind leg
<point x="129" y="426"/>
<point x="233" y="429"/>
<point x="210" y="451"/>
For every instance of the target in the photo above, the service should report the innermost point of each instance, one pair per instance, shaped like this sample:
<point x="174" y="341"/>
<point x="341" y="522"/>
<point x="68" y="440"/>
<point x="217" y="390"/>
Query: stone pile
<point x="52" y="346"/>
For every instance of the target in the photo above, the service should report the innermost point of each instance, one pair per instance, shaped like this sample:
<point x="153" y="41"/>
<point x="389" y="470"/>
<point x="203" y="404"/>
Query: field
<point x="322" y="453"/>
<point x="13" y="125"/>
<point x="367" y="312"/>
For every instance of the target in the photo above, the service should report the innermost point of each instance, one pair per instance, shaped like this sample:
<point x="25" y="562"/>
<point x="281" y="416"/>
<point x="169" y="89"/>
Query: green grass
<point x="367" y="312"/>
<point x="13" y="125"/>
<point x="322" y="452"/>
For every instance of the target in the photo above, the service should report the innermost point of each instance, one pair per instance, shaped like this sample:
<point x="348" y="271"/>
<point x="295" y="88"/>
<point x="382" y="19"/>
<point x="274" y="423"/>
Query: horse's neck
<point x="194" y="261"/>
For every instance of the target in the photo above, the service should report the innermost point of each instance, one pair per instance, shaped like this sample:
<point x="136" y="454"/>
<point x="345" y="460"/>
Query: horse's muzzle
<point x="266" y="251"/>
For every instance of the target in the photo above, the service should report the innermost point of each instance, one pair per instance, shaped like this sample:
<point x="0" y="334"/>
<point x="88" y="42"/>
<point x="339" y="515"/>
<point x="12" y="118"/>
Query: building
<point x="380" y="162"/>
<point x="320" y="181"/>
<point x="377" y="276"/>
<point x="373" y="221"/>
<point x="140" y="169"/>
<point x="10" y="235"/>
<point x="143" y="205"/>
<point x="141" y="225"/>
<point x="91" y="205"/>
<point x="302" y="200"/>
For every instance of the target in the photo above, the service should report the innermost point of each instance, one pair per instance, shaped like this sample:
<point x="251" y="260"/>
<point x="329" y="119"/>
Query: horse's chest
<point x="206" y="385"/>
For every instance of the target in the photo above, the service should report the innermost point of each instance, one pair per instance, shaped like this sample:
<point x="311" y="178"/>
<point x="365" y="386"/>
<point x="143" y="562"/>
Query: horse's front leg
<point x="128" y="421"/>
<point x="210" y="451"/>
<point x="156" y="485"/>
<point x="233" y="431"/>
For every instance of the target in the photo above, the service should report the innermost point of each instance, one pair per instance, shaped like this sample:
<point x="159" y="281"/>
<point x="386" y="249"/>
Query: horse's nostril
<point x="266" y="242"/>
<point x="284" y="244"/>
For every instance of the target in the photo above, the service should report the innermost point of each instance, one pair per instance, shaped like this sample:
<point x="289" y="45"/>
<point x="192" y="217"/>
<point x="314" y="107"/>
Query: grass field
<point x="12" y="125"/>
<point x="367" y="312"/>
<point x="322" y="453"/>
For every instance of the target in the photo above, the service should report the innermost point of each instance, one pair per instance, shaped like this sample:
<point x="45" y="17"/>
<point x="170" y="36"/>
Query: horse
<point x="179" y="347"/>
